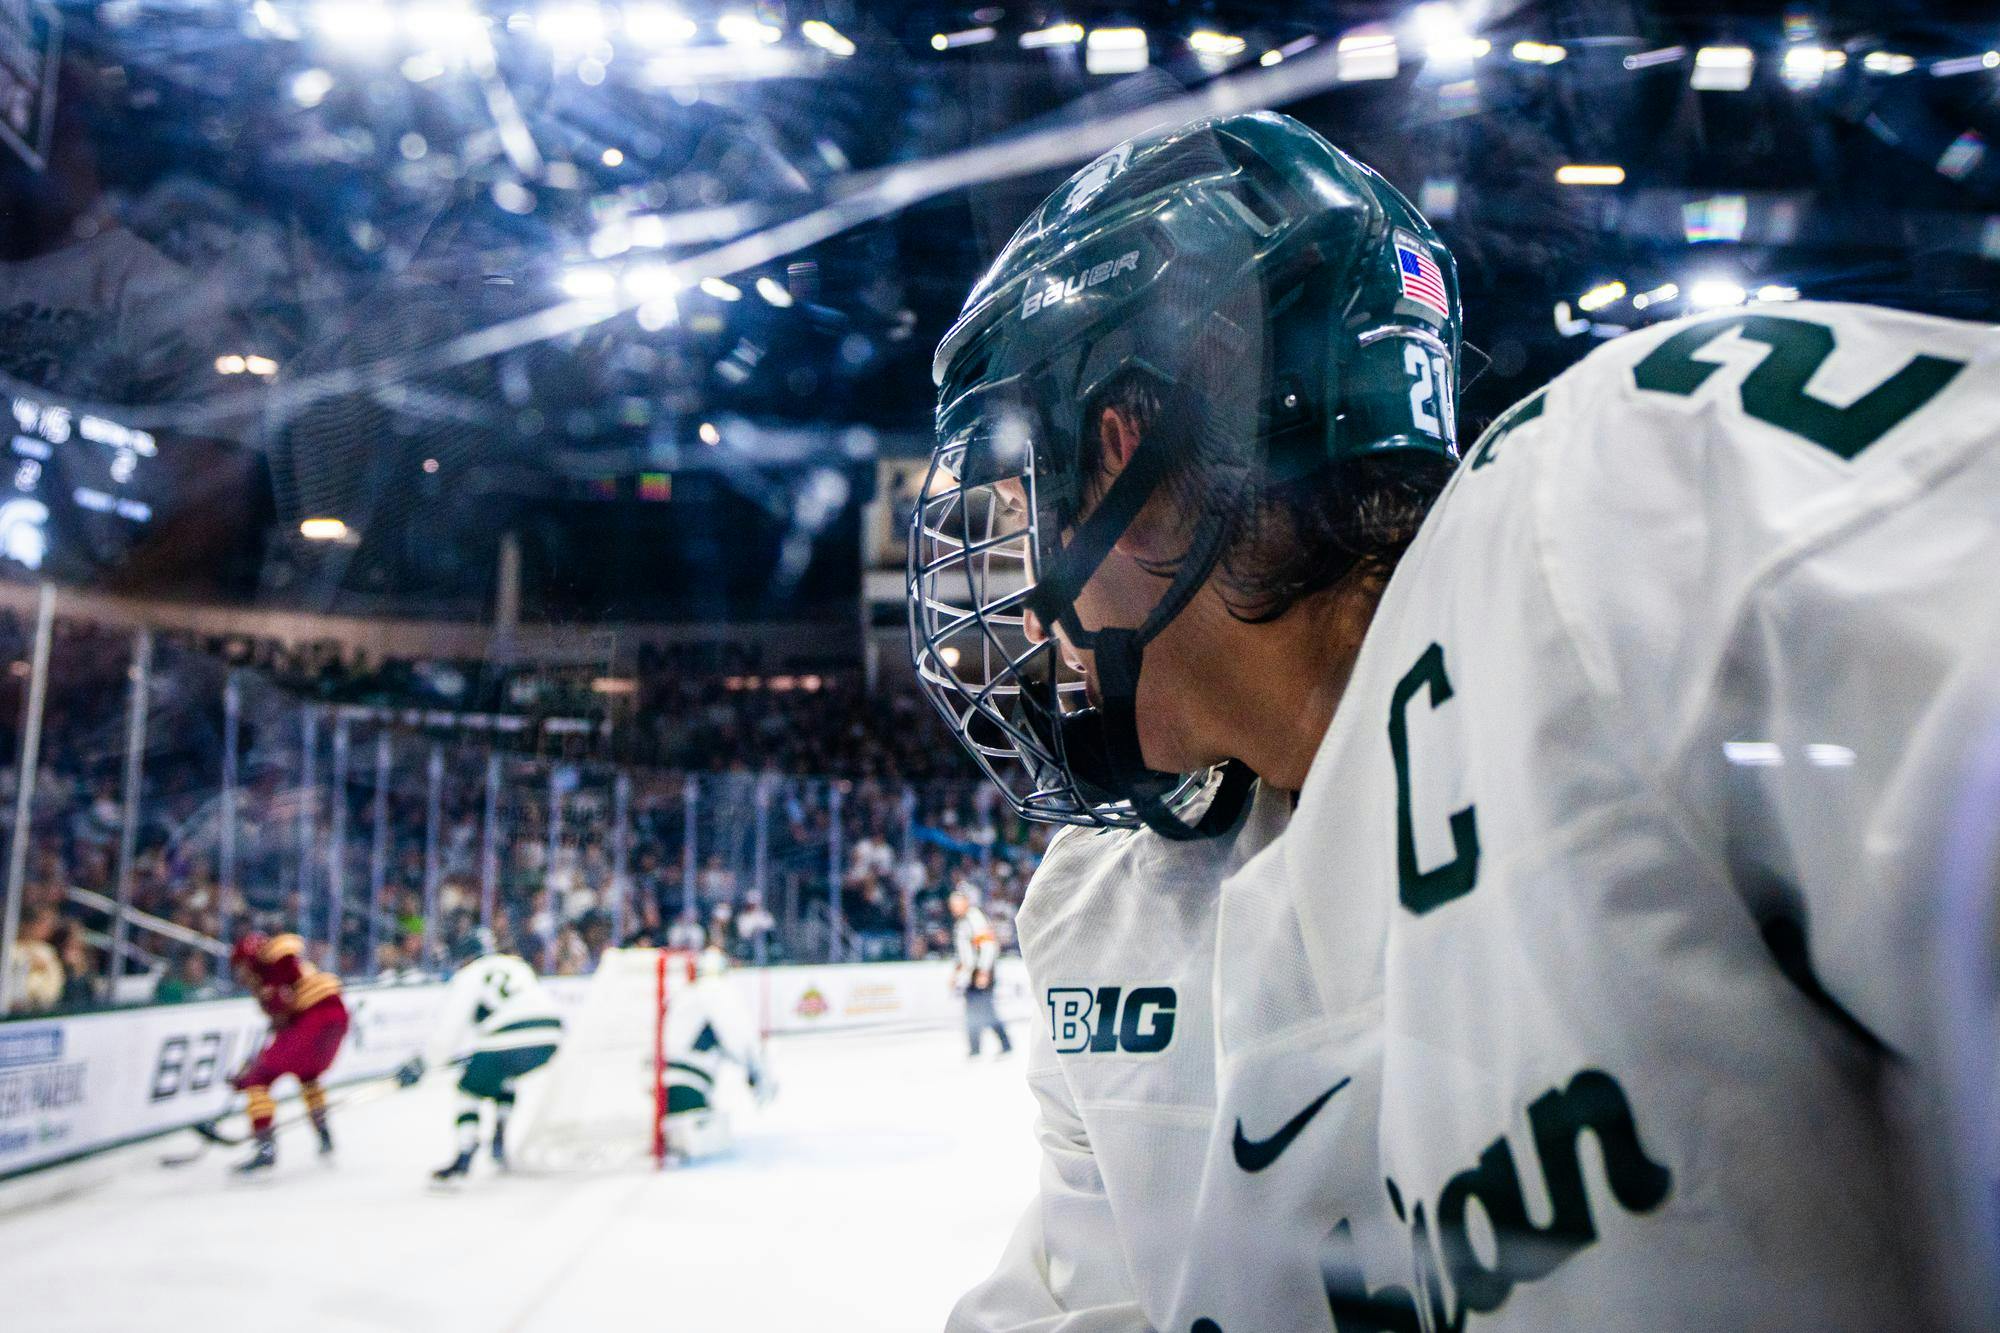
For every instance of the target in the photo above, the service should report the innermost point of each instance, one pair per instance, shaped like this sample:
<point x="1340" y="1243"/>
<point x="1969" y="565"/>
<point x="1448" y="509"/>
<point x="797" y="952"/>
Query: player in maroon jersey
<point x="308" y="1020"/>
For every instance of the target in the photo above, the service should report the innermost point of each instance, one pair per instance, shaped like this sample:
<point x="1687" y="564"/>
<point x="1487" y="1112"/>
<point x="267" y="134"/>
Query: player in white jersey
<point x="498" y="1021"/>
<point x="708" y="1032"/>
<point x="1590" y="985"/>
<point x="1117" y="932"/>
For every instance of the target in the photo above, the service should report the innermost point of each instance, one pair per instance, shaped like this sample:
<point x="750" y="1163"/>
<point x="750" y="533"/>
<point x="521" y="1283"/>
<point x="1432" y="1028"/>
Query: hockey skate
<point x="325" y="1142"/>
<point x="260" y="1162"/>
<point x="500" y="1147"/>
<point x="454" y="1171"/>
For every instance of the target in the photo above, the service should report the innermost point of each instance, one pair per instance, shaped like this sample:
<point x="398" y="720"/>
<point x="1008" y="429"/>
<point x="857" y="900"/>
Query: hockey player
<point x="308" y="1021"/>
<point x="499" y="1022"/>
<point x="976" y="953"/>
<point x="1115" y="922"/>
<point x="707" y="1032"/>
<point x="1603" y="767"/>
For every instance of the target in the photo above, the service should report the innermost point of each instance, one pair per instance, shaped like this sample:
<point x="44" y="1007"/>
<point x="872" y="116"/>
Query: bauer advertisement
<point x="69" y="1086"/>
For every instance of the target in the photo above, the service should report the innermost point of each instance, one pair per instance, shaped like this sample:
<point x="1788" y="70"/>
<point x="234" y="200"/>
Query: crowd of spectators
<point x="826" y="821"/>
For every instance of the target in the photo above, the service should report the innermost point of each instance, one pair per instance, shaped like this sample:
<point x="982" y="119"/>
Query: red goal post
<point x="603" y="1100"/>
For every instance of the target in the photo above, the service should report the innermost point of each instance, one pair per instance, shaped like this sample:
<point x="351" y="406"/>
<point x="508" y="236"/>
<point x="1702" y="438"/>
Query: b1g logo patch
<point x="1109" y="1019"/>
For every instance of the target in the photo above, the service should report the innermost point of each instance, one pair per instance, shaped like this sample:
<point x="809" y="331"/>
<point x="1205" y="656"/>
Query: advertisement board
<point x="76" y="1085"/>
<point x="921" y="994"/>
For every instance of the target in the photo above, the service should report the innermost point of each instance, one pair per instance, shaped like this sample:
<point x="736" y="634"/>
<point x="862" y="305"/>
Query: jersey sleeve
<point x="1063" y="1270"/>
<point x="734" y="1031"/>
<point x="452" y="1029"/>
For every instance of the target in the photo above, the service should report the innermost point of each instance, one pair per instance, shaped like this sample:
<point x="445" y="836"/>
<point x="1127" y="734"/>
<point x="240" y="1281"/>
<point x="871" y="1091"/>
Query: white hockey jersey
<point x="1117" y="933"/>
<point x="1588" y="988"/>
<point x="707" y="1026"/>
<point x="495" y="1003"/>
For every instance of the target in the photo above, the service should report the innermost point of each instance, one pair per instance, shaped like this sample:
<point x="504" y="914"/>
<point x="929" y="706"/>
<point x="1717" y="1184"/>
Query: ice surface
<point x="880" y="1184"/>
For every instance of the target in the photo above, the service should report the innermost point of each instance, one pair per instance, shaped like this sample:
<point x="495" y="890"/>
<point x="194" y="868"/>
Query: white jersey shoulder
<point x="492" y="1003"/>
<point x="1664" y="480"/>
<point x="1569" y="996"/>
<point x="1117" y="933"/>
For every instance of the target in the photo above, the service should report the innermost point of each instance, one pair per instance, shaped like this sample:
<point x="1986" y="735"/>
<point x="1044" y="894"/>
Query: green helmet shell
<point x="1236" y="244"/>
<point x="1290" y="309"/>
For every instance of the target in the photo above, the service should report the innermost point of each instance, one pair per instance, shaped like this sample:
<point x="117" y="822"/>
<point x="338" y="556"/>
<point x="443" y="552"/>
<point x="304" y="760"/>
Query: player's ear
<point x="1159" y="530"/>
<point x="1118" y="437"/>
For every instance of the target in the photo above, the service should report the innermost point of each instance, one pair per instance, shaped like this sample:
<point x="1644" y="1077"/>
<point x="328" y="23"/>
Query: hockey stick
<point x="210" y="1135"/>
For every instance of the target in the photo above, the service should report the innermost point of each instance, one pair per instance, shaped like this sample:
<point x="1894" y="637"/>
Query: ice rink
<point x="881" y="1183"/>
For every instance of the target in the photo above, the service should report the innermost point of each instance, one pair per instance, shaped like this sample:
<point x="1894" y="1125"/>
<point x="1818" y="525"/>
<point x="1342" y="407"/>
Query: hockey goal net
<point x="603" y="1100"/>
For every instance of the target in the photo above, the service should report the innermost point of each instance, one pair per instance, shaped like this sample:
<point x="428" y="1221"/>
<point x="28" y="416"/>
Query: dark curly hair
<point x="1284" y="540"/>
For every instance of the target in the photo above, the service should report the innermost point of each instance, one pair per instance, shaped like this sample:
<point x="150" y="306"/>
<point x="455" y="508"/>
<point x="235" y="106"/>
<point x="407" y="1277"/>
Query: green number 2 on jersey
<point x="1775" y="392"/>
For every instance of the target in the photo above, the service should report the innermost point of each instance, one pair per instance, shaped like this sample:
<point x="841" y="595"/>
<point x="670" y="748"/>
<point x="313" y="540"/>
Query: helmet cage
<point x="981" y="518"/>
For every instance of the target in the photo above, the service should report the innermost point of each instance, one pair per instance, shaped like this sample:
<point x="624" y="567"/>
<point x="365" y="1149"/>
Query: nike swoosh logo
<point x="1256" y="1156"/>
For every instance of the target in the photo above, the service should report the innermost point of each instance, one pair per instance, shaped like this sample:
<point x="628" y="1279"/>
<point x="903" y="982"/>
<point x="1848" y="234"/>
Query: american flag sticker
<point x="1422" y="282"/>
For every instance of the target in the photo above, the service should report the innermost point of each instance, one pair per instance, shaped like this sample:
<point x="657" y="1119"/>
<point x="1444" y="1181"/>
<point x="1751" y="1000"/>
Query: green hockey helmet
<point x="1276" y="294"/>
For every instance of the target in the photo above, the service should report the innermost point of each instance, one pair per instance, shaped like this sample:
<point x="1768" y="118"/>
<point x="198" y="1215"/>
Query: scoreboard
<point x="77" y="490"/>
<point x="89" y="500"/>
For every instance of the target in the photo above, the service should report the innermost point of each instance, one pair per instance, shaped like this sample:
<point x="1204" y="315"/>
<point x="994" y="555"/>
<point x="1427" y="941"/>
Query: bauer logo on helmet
<point x="1059" y="289"/>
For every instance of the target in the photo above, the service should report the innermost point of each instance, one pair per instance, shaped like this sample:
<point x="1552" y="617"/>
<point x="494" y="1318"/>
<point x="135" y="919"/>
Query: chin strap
<point x="1100" y="746"/>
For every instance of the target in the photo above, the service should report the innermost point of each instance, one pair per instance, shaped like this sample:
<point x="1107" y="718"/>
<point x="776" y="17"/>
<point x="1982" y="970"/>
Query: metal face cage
<point x="1000" y="681"/>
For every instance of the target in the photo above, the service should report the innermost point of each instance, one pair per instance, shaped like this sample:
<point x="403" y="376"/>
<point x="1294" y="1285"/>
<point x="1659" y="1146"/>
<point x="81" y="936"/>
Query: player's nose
<point x="1031" y="625"/>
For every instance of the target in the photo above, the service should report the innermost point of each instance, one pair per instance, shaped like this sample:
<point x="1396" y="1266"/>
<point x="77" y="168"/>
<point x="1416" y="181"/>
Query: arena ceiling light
<point x="658" y="25"/>
<point x="1600" y="296"/>
<point x="1888" y="62"/>
<point x="572" y="26"/>
<point x="774" y="292"/>
<point x="652" y="280"/>
<point x="451" y="30"/>
<point x="951" y="41"/>
<point x="1722" y="69"/>
<point x="1116" y="51"/>
<point x="1807" y="66"/>
<point x="1366" y="54"/>
<point x="826" y="37"/>
<point x="356" y="26"/>
<point x="1058" y="34"/>
<point x="1292" y="48"/>
<point x="1445" y="37"/>
<point x="309" y="87"/>
<point x="1944" y="69"/>
<point x="1777" y="292"/>
<point x="1713" y="293"/>
<point x="1208" y="42"/>
<point x="1539" y="53"/>
<point x="722" y="289"/>
<point x="1664" y="55"/>
<point x="588" y="282"/>
<point x="741" y="29"/>
<point x="1583" y="173"/>
<point x="1666" y="291"/>
<point x="323" y="530"/>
